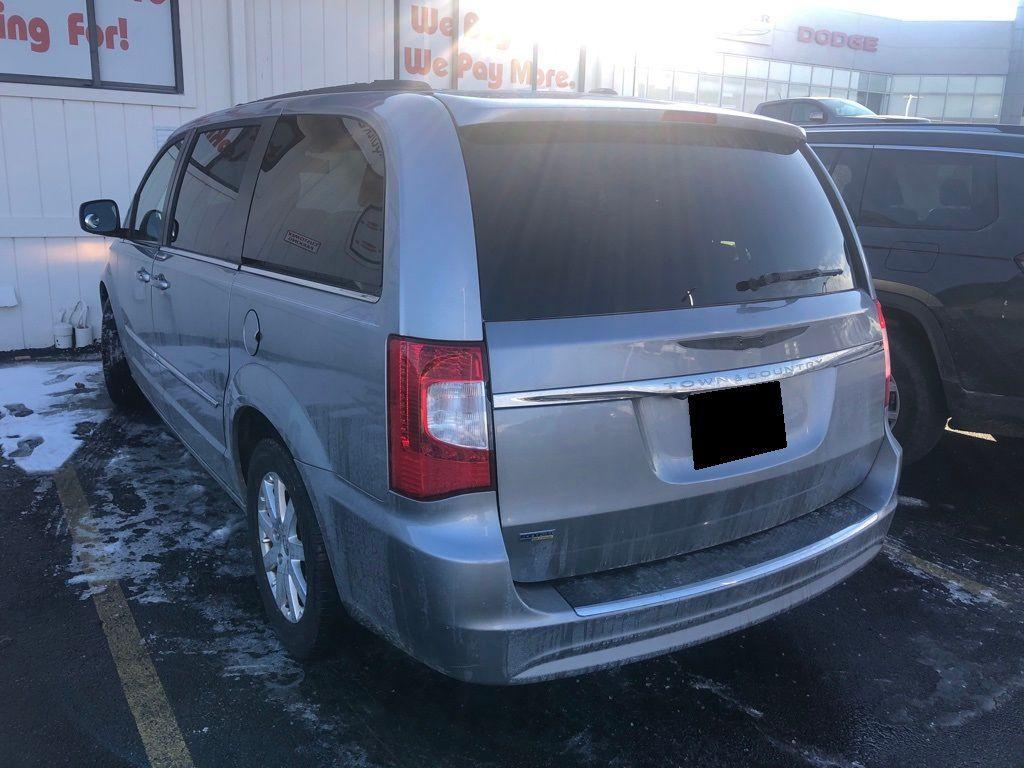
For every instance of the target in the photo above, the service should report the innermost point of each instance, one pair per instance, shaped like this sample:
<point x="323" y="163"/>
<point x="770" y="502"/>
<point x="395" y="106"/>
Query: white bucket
<point x="62" y="333"/>
<point x="83" y="336"/>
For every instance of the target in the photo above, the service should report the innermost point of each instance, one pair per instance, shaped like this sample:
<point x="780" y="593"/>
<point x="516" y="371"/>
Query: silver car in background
<point x="528" y="385"/>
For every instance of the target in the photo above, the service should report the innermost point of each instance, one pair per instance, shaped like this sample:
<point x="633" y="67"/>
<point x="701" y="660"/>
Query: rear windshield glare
<point x="602" y="218"/>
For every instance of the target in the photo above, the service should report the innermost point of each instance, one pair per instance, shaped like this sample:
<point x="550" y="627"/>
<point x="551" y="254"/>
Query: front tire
<point x="121" y="386"/>
<point x="293" y="574"/>
<point x="922" y="416"/>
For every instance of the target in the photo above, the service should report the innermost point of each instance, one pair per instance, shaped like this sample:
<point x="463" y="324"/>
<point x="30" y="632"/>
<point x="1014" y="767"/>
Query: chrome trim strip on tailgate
<point x="736" y="578"/>
<point x="683" y="385"/>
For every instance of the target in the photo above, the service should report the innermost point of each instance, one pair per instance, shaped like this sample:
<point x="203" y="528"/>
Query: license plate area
<point x="737" y="423"/>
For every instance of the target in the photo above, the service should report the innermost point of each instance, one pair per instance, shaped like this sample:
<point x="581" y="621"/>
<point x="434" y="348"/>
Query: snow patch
<point x="41" y="408"/>
<point x="910" y="501"/>
<point x="722" y="691"/>
<point x="165" y="517"/>
<point x="811" y="755"/>
<point x="960" y="588"/>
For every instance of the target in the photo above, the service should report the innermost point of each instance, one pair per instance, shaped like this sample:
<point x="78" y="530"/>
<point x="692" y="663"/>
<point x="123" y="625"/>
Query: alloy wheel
<point x="284" y="559"/>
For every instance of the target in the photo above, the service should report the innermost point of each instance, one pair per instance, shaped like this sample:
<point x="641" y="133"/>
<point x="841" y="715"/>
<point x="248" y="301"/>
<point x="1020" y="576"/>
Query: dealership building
<point x="90" y="88"/>
<point x="953" y="71"/>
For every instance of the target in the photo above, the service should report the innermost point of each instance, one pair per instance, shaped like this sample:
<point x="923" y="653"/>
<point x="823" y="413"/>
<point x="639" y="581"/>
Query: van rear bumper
<point x="434" y="580"/>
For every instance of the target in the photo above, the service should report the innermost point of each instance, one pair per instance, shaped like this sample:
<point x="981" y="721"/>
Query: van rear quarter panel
<point x="319" y="373"/>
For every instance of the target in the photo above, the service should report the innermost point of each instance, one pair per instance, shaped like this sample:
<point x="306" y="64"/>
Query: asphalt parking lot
<point x="918" y="660"/>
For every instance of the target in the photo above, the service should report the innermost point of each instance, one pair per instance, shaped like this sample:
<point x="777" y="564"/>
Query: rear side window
<point x="929" y="190"/>
<point x="598" y="218"/>
<point x="209" y="214"/>
<point x="805" y="112"/>
<point x="777" y="111"/>
<point x="318" y="209"/>
<point x="827" y="155"/>
<point x="147" y="223"/>
<point x="848" y="168"/>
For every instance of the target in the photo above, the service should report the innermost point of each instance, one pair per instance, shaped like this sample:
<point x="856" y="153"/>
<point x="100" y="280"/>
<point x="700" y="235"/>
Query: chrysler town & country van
<point x="527" y="385"/>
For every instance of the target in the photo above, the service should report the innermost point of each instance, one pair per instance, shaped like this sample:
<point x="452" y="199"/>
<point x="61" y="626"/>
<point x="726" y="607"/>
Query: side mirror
<point x="100" y="217"/>
<point x="816" y="116"/>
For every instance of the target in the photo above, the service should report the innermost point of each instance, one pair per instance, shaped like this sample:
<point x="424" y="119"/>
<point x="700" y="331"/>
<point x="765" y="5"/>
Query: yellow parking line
<point x="154" y="718"/>
<point x="943" y="574"/>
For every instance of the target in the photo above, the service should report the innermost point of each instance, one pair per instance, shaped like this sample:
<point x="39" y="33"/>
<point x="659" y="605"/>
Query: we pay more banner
<point x="478" y="50"/>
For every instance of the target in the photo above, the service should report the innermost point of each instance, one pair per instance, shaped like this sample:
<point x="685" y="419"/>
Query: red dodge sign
<point x="837" y="39"/>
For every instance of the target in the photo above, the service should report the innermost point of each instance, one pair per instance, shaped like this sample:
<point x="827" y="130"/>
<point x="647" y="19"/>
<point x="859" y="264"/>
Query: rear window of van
<point x="597" y="218"/>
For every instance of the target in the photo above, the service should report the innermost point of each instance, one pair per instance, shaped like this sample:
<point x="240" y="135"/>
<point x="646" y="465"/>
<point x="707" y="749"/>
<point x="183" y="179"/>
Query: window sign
<point x="489" y="59"/>
<point x="141" y="50"/>
<point x="470" y="49"/>
<point x="123" y="44"/>
<point x="34" y="40"/>
<point x="426" y="33"/>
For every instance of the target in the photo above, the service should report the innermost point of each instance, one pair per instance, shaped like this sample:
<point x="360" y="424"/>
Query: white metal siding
<point x="60" y="146"/>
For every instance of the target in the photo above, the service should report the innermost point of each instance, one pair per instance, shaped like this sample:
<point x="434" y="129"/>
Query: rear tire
<point x="121" y="386"/>
<point x="922" y="407"/>
<point x="293" y="574"/>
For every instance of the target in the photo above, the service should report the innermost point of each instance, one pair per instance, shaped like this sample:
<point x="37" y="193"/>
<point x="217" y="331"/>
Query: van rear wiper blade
<point x="770" y="278"/>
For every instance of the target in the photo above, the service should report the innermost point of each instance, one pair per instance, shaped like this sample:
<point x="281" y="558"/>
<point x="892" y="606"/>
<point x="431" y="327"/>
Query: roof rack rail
<point x="375" y="85"/>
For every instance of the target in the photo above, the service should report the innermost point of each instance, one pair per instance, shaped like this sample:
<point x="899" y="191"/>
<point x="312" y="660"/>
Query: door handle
<point x="143" y="275"/>
<point x="161" y="282"/>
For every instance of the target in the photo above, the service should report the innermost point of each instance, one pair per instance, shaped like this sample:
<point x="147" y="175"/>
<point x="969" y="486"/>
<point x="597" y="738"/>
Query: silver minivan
<point x="529" y="385"/>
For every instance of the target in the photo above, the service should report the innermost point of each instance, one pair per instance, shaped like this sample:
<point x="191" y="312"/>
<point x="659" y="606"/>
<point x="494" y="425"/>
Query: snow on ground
<point x="154" y="503"/>
<point x="161" y="528"/>
<point x="41" y="407"/>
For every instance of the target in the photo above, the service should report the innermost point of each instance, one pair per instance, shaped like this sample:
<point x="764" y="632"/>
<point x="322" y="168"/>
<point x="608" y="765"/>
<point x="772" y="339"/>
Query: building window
<point x="710" y="90"/>
<point x="130" y="45"/>
<point x="947" y="98"/>
<point x="941" y="98"/>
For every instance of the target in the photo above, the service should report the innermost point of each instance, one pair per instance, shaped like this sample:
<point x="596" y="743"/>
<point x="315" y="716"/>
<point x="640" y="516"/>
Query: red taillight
<point x="438" y="418"/>
<point x="885" y="348"/>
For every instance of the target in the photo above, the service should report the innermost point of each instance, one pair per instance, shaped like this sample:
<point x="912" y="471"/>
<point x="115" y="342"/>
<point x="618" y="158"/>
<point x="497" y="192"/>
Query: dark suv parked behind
<point x="939" y="212"/>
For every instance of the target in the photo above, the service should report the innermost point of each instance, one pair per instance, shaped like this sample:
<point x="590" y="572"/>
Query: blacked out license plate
<point x="736" y="423"/>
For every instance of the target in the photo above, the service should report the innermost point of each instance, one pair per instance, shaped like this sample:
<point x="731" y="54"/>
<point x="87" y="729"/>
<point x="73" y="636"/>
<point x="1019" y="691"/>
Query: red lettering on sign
<point x="522" y="72"/>
<point x="424" y="20"/>
<point x="105" y="36"/>
<point x="34" y="31"/>
<point x="836" y="39"/>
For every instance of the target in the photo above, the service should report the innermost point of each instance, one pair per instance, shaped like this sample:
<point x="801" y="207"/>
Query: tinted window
<point x="591" y="218"/>
<point x="847" y="108"/>
<point x="778" y="111"/>
<point x="803" y="111"/>
<point x="848" y="169"/>
<point x="148" y="210"/>
<point x="209" y="214"/>
<point x="827" y="155"/>
<point x="318" y="211"/>
<point x="929" y="190"/>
